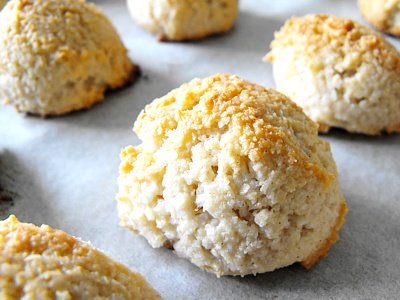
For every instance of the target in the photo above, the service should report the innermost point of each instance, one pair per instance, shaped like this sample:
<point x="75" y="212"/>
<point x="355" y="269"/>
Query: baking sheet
<point x="63" y="171"/>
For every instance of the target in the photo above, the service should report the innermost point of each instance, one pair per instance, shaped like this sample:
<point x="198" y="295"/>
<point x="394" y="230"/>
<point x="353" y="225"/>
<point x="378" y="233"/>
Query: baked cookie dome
<point x="44" y="263"/>
<point x="58" y="55"/>
<point x="383" y="14"/>
<point x="233" y="177"/>
<point x="178" y="20"/>
<point x="341" y="73"/>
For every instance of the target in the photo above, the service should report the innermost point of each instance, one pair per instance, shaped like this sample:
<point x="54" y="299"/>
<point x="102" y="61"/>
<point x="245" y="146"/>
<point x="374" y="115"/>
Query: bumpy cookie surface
<point x="383" y="14"/>
<point x="58" y="55"/>
<point x="44" y="263"/>
<point x="341" y="73"/>
<point x="233" y="176"/>
<point x="179" y="20"/>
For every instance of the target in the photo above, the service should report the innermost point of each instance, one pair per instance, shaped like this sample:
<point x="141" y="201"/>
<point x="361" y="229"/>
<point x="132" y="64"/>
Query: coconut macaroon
<point x="233" y="177"/>
<point x="341" y="73"/>
<point x="383" y="14"/>
<point x="44" y="263"/>
<point x="58" y="55"/>
<point x="179" y="20"/>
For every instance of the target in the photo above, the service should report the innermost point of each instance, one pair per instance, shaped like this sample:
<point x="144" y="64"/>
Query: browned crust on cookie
<point x="46" y="263"/>
<point x="393" y="128"/>
<point x="195" y="38"/>
<point x="168" y="245"/>
<point x="327" y="244"/>
<point x="314" y="31"/>
<point x="131" y="77"/>
<point x="323" y="128"/>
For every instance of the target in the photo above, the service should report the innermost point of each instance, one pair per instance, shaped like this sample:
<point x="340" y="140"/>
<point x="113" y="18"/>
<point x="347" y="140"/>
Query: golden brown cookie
<point x="341" y="73"/>
<point x="233" y="177"/>
<point x="383" y="14"/>
<point x="44" y="263"/>
<point x="179" y="20"/>
<point x="58" y="55"/>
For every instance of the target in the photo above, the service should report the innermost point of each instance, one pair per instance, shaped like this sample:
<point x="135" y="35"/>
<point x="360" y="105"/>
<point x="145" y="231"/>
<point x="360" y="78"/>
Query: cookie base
<point x="328" y="243"/>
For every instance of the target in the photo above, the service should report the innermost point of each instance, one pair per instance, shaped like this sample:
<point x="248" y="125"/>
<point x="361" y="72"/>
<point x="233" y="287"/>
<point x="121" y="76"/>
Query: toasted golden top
<point x="317" y="32"/>
<point x="42" y="263"/>
<point x="267" y="126"/>
<point x="42" y="31"/>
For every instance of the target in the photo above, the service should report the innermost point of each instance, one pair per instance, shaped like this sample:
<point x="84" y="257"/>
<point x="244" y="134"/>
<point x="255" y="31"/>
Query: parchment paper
<point x="63" y="171"/>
